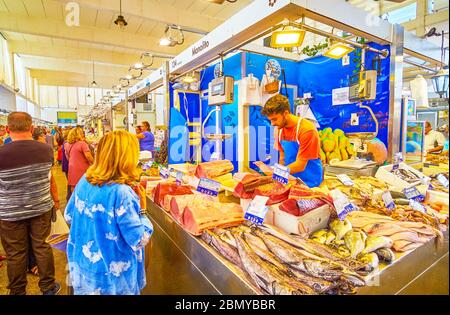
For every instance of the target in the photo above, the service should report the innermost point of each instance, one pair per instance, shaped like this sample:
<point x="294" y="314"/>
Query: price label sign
<point x="398" y="158"/>
<point x="413" y="193"/>
<point x="281" y="174"/>
<point x="342" y="204"/>
<point x="345" y="179"/>
<point x="193" y="181"/>
<point x="388" y="201"/>
<point x="164" y="172"/>
<point x="257" y="210"/>
<point x="179" y="178"/>
<point x="208" y="187"/>
<point x="443" y="180"/>
<point x="417" y="206"/>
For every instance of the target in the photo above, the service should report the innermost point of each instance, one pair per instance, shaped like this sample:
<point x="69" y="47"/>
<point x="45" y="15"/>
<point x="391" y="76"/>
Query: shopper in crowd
<point x="146" y="138"/>
<point x="108" y="228"/>
<point x="434" y="140"/>
<point x="296" y="139"/>
<point x="138" y="130"/>
<point x="59" y="141"/>
<point x="79" y="155"/>
<point x="39" y="134"/>
<point x="4" y="135"/>
<point x="25" y="216"/>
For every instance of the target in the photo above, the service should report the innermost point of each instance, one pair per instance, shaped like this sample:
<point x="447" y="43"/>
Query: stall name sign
<point x="342" y="204"/>
<point x="257" y="210"/>
<point x="388" y="201"/>
<point x="164" y="172"/>
<point x="345" y="180"/>
<point x="203" y="46"/>
<point x="208" y="187"/>
<point x="443" y="180"/>
<point x="413" y="193"/>
<point x="281" y="173"/>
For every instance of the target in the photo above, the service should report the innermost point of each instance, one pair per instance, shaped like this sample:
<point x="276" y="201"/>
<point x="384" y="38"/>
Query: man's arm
<point x="440" y="139"/>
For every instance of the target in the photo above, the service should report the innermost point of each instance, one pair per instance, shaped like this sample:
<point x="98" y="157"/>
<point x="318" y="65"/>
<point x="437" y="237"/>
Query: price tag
<point x="193" y="181"/>
<point x="208" y="187"/>
<point x="345" y="179"/>
<point x="257" y="210"/>
<point x="281" y="174"/>
<point x="179" y="178"/>
<point x="342" y="204"/>
<point x="147" y="166"/>
<point x="417" y="206"/>
<point x="398" y="158"/>
<point x="388" y="201"/>
<point x="443" y="180"/>
<point x="164" y="172"/>
<point x="413" y="193"/>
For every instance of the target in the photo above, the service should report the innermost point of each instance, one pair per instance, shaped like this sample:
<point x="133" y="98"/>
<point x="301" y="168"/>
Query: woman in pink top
<point x="79" y="156"/>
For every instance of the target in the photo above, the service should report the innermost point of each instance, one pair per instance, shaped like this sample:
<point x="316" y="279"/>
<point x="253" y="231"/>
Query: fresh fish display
<point x="222" y="247"/>
<point x="265" y="276"/>
<point x="355" y="242"/>
<point x="406" y="175"/>
<point x="385" y="254"/>
<point x="340" y="228"/>
<point x="374" y="242"/>
<point x="371" y="259"/>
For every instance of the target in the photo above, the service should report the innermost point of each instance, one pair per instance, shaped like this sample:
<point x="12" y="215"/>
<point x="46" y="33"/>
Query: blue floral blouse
<point x="105" y="246"/>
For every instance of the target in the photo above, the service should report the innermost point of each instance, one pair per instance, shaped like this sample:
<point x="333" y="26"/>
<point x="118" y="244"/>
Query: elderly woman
<point x="79" y="155"/>
<point x="109" y="230"/>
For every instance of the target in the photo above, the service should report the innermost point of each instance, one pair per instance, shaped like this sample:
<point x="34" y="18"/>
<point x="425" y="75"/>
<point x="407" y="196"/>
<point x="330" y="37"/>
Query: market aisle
<point x="60" y="257"/>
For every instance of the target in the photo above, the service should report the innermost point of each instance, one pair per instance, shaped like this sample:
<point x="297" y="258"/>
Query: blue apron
<point x="313" y="172"/>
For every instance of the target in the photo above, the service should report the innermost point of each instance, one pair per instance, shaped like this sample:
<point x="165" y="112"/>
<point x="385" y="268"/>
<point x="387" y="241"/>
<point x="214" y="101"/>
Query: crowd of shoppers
<point x="105" y="209"/>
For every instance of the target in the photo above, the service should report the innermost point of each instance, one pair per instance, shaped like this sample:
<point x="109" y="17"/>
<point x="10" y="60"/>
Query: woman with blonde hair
<point x="79" y="155"/>
<point x="109" y="230"/>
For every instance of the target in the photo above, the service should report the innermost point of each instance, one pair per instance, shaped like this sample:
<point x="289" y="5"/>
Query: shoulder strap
<point x="298" y="128"/>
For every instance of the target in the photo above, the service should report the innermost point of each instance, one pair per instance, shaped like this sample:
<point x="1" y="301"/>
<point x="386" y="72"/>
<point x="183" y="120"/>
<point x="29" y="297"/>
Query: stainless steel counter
<point x="181" y="264"/>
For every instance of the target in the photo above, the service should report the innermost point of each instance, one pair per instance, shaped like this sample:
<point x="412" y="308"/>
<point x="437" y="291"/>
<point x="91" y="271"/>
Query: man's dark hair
<point x="38" y="132"/>
<point x="19" y="122"/>
<point x="277" y="104"/>
<point x="428" y="124"/>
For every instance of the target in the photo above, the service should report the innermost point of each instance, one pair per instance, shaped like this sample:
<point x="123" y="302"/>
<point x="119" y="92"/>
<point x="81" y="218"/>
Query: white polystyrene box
<point x="386" y="176"/>
<point x="308" y="223"/>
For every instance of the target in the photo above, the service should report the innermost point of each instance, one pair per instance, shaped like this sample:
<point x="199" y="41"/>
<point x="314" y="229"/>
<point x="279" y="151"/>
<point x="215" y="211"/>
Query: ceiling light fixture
<point x="169" y="40"/>
<point x="93" y="83"/>
<point x="120" y="21"/>
<point x="338" y="50"/>
<point x="440" y="79"/>
<point x="287" y="38"/>
<point x="190" y="78"/>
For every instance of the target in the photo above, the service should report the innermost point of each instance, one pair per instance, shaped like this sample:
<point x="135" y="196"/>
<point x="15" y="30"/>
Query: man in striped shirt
<point x="26" y="205"/>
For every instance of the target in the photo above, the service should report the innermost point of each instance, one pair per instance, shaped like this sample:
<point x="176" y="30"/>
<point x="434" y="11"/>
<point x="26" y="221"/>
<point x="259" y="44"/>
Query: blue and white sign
<point x="281" y="173"/>
<point x="398" y="158"/>
<point x="443" y="180"/>
<point x="208" y="187"/>
<point x="417" y="206"/>
<point x="342" y="204"/>
<point x="345" y="179"/>
<point x="388" y="201"/>
<point x="413" y="193"/>
<point x="179" y="178"/>
<point x="257" y="210"/>
<point x="164" y="172"/>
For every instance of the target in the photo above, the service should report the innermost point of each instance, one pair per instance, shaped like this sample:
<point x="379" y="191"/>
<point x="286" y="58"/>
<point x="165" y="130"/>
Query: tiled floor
<point x="59" y="256"/>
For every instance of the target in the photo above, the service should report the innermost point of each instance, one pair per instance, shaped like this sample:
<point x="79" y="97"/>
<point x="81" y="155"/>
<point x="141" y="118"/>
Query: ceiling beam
<point x="64" y="78"/>
<point x="86" y="68"/>
<point x="85" y="34"/>
<point x="76" y="53"/>
<point x="158" y="11"/>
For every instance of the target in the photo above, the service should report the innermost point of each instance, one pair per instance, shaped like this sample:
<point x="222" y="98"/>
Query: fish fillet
<point x="406" y="236"/>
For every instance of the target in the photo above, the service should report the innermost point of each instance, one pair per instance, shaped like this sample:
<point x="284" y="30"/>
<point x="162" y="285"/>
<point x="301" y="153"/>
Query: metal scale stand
<point x="220" y="93"/>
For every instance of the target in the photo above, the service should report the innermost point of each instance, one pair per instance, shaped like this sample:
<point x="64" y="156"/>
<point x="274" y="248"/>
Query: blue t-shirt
<point x="148" y="143"/>
<point x="104" y="249"/>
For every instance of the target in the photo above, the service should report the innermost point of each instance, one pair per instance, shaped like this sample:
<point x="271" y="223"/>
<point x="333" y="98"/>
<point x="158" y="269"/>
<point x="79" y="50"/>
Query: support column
<point x="395" y="90"/>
